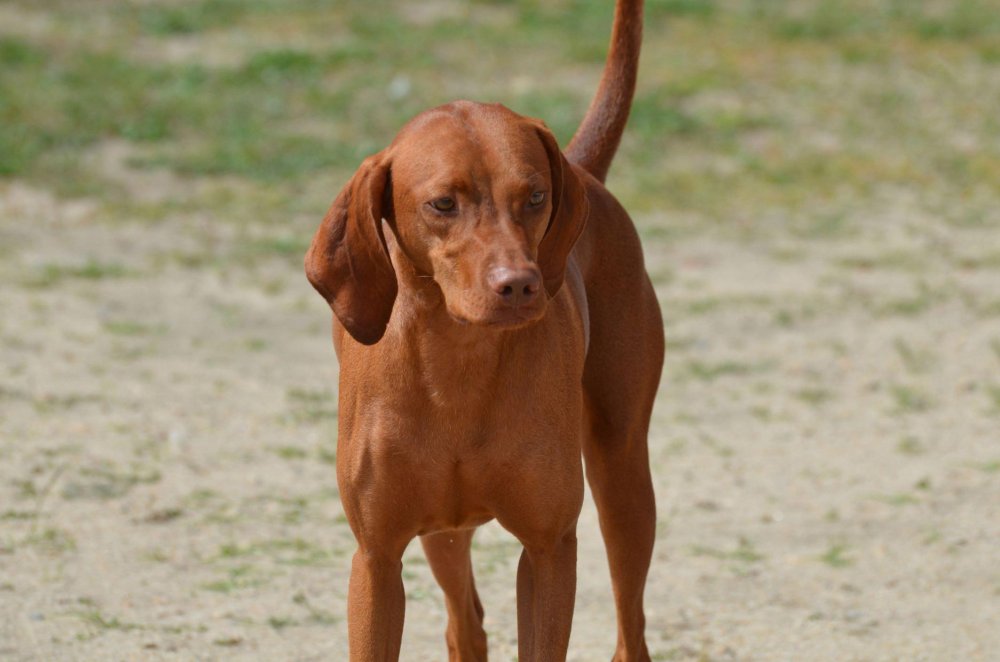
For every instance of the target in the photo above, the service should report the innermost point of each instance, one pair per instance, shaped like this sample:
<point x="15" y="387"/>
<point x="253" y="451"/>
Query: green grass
<point x="236" y="579"/>
<point x="102" y="622"/>
<point x="51" y="275"/>
<point x="822" y="21"/>
<point x="836" y="556"/>
<point x="290" y="452"/>
<point x="292" y="551"/>
<point x="107" y="481"/>
<point x="815" y="396"/>
<point x="910" y="399"/>
<point x="188" y="18"/>
<point x="52" y="541"/>
<point x="315" y="614"/>
<point x="711" y="135"/>
<point x="916" y="360"/>
<point x="131" y="328"/>
<point x="900" y="499"/>
<point x="744" y="552"/>
<point x="911" y="446"/>
<point x="993" y="396"/>
<point x="710" y="371"/>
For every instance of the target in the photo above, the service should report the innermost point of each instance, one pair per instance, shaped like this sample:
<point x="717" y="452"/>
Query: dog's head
<point x="479" y="198"/>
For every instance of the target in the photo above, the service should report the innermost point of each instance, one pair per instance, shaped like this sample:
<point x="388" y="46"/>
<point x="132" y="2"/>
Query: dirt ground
<point x="817" y="191"/>
<point x="825" y="451"/>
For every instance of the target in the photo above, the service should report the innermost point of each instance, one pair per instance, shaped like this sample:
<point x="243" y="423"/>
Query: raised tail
<point x="596" y="139"/>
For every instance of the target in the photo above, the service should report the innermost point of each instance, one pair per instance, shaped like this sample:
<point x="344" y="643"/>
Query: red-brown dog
<point x="493" y="319"/>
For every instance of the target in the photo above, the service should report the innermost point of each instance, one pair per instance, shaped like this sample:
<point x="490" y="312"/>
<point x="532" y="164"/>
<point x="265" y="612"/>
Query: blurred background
<point x="817" y="185"/>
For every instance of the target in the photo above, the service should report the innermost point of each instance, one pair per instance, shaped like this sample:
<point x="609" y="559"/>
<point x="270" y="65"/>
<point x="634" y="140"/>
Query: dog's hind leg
<point x="621" y="377"/>
<point x="450" y="561"/>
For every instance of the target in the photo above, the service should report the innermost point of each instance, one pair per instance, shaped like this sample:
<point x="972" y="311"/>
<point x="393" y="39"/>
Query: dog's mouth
<point x="504" y="318"/>
<point x="515" y="318"/>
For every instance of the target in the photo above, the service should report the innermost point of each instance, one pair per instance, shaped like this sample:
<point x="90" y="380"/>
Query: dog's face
<point x="480" y="199"/>
<point x="472" y="197"/>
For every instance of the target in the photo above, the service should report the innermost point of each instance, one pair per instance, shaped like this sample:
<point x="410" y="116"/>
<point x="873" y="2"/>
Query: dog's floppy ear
<point x="569" y="215"/>
<point x="348" y="261"/>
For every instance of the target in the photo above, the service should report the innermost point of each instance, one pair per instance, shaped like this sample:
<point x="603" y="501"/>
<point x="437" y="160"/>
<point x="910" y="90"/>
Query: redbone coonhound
<point x="494" y="321"/>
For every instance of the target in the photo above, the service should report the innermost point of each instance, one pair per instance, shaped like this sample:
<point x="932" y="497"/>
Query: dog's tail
<point x="596" y="140"/>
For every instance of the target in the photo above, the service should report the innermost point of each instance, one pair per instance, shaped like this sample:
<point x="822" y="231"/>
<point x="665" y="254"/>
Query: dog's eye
<point x="537" y="198"/>
<point x="444" y="204"/>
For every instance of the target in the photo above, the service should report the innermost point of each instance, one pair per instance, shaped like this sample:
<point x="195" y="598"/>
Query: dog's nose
<point x="517" y="287"/>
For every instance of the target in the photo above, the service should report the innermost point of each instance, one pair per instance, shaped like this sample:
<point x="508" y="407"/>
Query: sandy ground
<point x="826" y="449"/>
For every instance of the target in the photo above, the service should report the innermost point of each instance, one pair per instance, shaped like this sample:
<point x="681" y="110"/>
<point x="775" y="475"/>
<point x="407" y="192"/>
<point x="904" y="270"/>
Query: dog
<point x="494" y="322"/>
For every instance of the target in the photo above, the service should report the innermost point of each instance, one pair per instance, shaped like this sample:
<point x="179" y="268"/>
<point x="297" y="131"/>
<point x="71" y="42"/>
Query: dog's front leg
<point x="376" y="603"/>
<point x="546" y="591"/>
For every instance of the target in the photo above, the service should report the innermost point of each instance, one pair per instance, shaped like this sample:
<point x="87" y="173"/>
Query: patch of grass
<point x="899" y="260"/>
<point x="50" y="402"/>
<point x="17" y="515"/>
<point x="836" y="556"/>
<point x="824" y="225"/>
<point x="25" y="488"/>
<point x="991" y="467"/>
<point x="256" y="344"/>
<point x="712" y="304"/>
<point x="283" y="64"/>
<point x="316" y="615"/>
<point x="290" y="452"/>
<point x="107" y="481"/>
<point x="292" y="551"/>
<point x="705" y="371"/>
<point x="915" y="360"/>
<point x="910" y="399"/>
<point x="53" y="274"/>
<point x="327" y="454"/>
<point x="188" y="17"/>
<point x="715" y="135"/>
<point x="911" y="446"/>
<point x="825" y="21"/>
<point x="52" y="541"/>
<point x="959" y="20"/>
<point x="218" y="122"/>
<point x="744" y="552"/>
<point x="899" y="499"/>
<point x="16" y="52"/>
<point x="236" y="579"/>
<point x="155" y="556"/>
<point x="993" y="395"/>
<point x="815" y="396"/>
<point x="252" y="152"/>
<point x="911" y="306"/>
<point x="283" y="246"/>
<point x="163" y="515"/>
<point x="655" y="9"/>
<point x="280" y="622"/>
<point x="131" y="328"/>
<point x="932" y="536"/>
<point x="989" y="260"/>
<point x="98" y="620"/>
